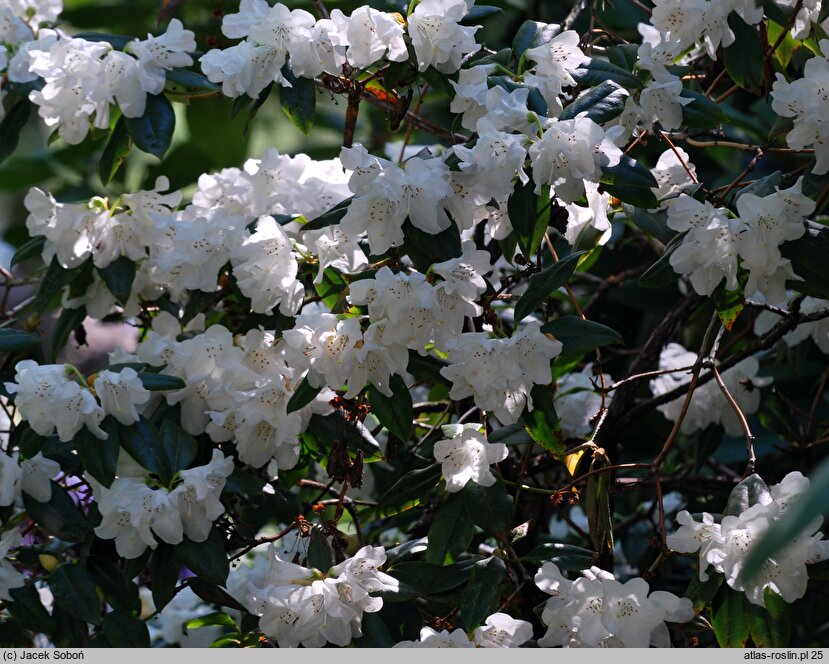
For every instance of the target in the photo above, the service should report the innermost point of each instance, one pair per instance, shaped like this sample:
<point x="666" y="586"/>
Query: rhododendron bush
<point x="414" y="324"/>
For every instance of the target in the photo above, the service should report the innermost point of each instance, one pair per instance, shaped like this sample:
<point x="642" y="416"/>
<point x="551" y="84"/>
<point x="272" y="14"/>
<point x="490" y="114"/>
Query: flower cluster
<point x="133" y="513"/>
<point x="708" y="404"/>
<point x="310" y="607"/>
<point x="596" y="610"/>
<point x="724" y="544"/>
<point x="498" y="631"/>
<point x="467" y="455"/>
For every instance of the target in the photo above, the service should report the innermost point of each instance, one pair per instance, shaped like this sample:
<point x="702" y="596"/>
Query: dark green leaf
<point x="153" y="131"/>
<point x="662" y="273"/>
<point x="479" y="12"/>
<point x="744" y="58"/>
<point x="529" y="216"/>
<point x="480" y="598"/>
<point x="31" y="249"/>
<point x="702" y="592"/>
<point x="52" y="284"/>
<point x="564" y="556"/>
<point x="115" y="151"/>
<point x="28" y="611"/>
<point x="579" y="336"/>
<point x="68" y="321"/>
<point x="142" y="442"/>
<point x="414" y="485"/>
<point x="630" y="182"/>
<point x="730" y="610"/>
<point x="59" y="517"/>
<point x="74" y="591"/>
<point x="299" y="102"/>
<point x="164" y="573"/>
<point x="426" y="249"/>
<point x="214" y="595"/>
<point x="179" y="446"/>
<point x="769" y="626"/>
<point x="207" y="559"/>
<point x="161" y="382"/>
<point x="597" y="509"/>
<point x="355" y="435"/>
<point x="451" y="531"/>
<point x="602" y="103"/>
<point x="751" y="491"/>
<point x="27" y="441"/>
<point x="701" y="113"/>
<point x="120" y="593"/>
<point x="545" y="283"/>
<point x="118" y="277"/>
<point x="729" y="303"/>
<point x="304" y="395"/>
<point x="330" y="218"/>
<point x="191" y="80"/>
<point x="320" y="553"/>
<point x="595" y="72"/>
<point x="809" y="256"/>
<point x="11" y="126"/>
<point x="542" y="423"/>
<point x="623" y="55"/>
<point x="490" y="507"/>
<point x="124" y="630"/>
<point x="431" y="579"/>
<point x="394" y="412"/>
<point x="532" y="34"/>
<point x="99" y="457"/>
<point x="11" y="340"/>
<point x="332" y="290"/>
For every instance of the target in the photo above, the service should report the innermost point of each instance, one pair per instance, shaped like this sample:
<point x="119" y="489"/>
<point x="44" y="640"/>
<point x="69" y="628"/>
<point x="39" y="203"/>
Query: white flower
<point x="495" y="160"/>
<point x="671" y="176"/>
<point x="10" y="578"/>
<point x="502" y="631"/>
<point x="661" y="101"/>
<point x="468" y="456"/>
<point x="120" y="393"/>
<point x="36" y="477"/>
<point x="370" y="35"/>
<point x="430" y="638"/>
<point x="556" y="61"/>
<point x="577" y="401"/>
<point x="197" y="497"/>
<point x="438" y="39"/>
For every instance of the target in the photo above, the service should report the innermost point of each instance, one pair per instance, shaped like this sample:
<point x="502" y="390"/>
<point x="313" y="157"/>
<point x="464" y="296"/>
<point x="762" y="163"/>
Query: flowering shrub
<point x="527" y="348"/>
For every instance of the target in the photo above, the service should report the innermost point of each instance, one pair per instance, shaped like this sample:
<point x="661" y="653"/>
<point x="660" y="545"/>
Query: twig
<point x="752" y="459"/>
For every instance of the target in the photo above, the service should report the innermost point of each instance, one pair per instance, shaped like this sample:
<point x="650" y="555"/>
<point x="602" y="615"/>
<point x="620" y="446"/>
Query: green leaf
<point x="744" y="58"/>
<point x="299" y="102"/>
<point x="602" y="103"/>
<point x="164" y="573"/>
<point x="121" y="593"/>
<point x="426" y="249"/>
<point x="124" y="630"/>
<point x="702" y="592"/>
<point x="412" y="486"/>
<point x="142" y="442"/>
<point x="662" y="273"/>
<point x="729" y="303"/>
<point x="451" y="531"/>
<point x="542" y="421"/>
<point x="800" y="515"/>
<point x="332" y="290"/>
<point x="431" y="579"/>
<point x="115" y="151"/>
<point x="630" y="182"/>
<point x="11" y="126"/>
<point x="481" y="596"/>
<point x="729" y="618"/>
<point x="179" y="446"/>
<point x="770" y="627"/>
<point x="153" y="131"/>
<point x="355" y="435"/>
<point x="68" y="321"/>
<point x="579" y="336"/>
<point x="809" y="256"/>
<point x="31" y="249"/>
<point x="701" y="113"/>
<point x="490" y="508"/>
<point x="595" y="72"/>
<point x="530" y="215"/>
<point x="11" y="340"/>
<point x="320" y="554"/>
<point x="207" y="559"/>
<point x="59" y="516"/>
<point x="99" y="457"/>
<point x="161" y="382"/>
<point x="532" y="34"/>
<point x="623" y="55"/>
<point x="213" y="594"/>
<point x="118" y="277"/>
<point x="564" y="556"/>
<point x="751" y="491"/>
<point x="28" y="611"/>
<point x="545" y="283"/>
<point x="599" y="514"/>
<point x="74" y="591"/>
<point x="394" y="412"/>
<point x="303" y="395"/>
<point x="217" y="619"/>
<point x="191" y="79"/>
<point x="479" y="12"/>
<point x="52" y="284"/>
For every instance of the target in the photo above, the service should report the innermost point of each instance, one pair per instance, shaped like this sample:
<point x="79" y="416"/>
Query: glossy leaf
<point x="74" y="591"/>
<point x="153" y="131"/>
<point x="481" y="596"/>
<point x="451" y="531"/>
<point x="394" y="412"/>
<point x="545" y="283"/>
<point x="579" y="336"/>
